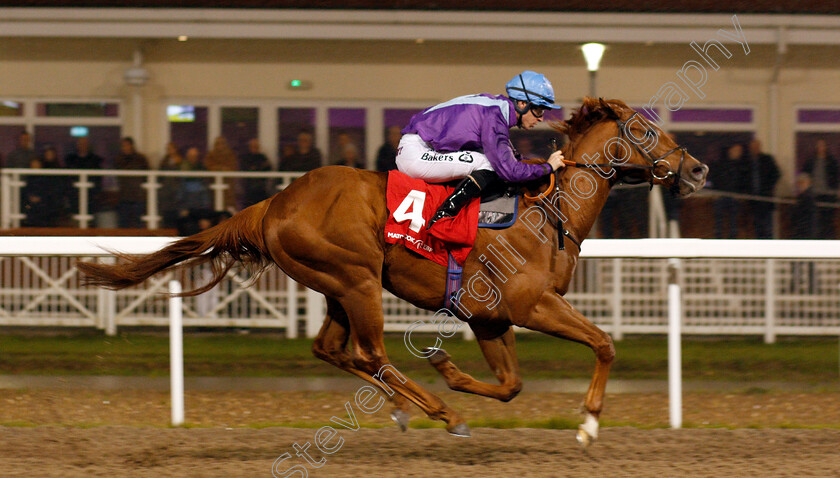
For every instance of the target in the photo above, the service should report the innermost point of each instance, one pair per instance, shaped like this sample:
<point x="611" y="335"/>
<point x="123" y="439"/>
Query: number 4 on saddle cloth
<point x="412" y="202"/>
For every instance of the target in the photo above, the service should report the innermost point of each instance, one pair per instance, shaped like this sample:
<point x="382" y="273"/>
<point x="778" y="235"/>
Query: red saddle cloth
<point x="411" y="203"/>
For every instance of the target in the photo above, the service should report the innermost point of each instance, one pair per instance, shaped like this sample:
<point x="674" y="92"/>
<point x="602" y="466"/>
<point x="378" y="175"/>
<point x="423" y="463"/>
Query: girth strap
<point x="453" y="282"/>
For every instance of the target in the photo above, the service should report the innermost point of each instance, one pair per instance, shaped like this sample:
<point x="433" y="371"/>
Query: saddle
<point x="499" y="206"/>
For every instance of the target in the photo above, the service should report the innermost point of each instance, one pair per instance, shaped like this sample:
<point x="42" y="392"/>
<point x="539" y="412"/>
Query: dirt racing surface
<point x="219" y="452"/>
<point x="125" y="433"/>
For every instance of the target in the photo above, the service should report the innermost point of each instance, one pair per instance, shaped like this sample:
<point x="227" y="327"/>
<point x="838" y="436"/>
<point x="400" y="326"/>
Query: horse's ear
<point x="608" y="109"/>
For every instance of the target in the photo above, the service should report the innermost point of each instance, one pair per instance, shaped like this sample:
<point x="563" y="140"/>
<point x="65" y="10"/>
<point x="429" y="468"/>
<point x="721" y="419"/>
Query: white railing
<point x="12" y="181"/>
<point x="764" y="288"/>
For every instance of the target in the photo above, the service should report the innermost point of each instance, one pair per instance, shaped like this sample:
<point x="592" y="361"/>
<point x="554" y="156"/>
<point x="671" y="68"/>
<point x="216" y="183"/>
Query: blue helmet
<point x="532" y="87"/>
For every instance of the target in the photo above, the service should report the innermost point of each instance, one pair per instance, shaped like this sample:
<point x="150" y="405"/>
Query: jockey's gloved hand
<point x="556" y="160"/>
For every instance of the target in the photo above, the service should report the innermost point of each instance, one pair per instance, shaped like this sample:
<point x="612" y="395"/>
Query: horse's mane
<point x="589" y="113"/>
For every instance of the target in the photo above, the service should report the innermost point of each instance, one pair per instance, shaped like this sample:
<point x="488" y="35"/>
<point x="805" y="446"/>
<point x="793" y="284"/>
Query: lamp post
<point x="592" y="53"/>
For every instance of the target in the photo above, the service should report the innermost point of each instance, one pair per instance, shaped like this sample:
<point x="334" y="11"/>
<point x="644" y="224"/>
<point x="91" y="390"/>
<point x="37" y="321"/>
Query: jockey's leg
<point x="469" y="188"/>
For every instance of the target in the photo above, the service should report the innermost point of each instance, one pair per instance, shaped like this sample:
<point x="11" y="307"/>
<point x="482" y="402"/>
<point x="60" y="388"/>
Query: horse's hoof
<point x="436" y="356"/>
<point x="401" y="418"/>
<point x="588" y="431"/>
<point x="460" y="430"/>
<point x="583" y="438"/>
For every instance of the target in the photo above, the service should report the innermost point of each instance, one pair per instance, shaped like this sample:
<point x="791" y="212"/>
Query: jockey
<point x="469" y="137"/>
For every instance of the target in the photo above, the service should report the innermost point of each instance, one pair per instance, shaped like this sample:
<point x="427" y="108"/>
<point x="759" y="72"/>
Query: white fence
<point x="12" y="182"/>
<point x="620" y="284"/>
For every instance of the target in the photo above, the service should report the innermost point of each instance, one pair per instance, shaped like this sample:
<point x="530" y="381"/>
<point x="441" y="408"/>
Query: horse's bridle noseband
<point x="654" y="162"/>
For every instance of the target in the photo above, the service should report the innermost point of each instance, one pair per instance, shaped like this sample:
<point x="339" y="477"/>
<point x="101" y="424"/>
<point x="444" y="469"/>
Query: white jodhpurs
<point x="417" y="159"/>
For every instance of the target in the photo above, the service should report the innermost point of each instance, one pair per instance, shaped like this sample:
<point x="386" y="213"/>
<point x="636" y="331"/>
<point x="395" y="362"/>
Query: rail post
<point x="83" y="185"/>
<point x="152" y="218"/>
<point x="674" y="344"/>
<point x="5" y="201"/>
<point x="769" y="302"/>
<point x="617" y="333"/>
<point x="315" y="312"/>
<point x="291" y="308"/>
<point x="176" y="353"/>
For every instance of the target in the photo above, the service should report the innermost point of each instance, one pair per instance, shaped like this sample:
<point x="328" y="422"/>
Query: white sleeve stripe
<point x="476" y="100"/>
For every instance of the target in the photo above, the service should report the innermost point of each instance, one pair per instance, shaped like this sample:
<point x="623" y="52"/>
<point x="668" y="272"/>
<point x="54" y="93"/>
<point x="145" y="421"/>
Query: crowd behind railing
<point x="192" y="190"/>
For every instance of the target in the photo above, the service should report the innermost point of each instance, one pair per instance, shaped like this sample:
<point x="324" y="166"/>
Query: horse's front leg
<point x="555" y="316"/>
<point x="500" y="353"/>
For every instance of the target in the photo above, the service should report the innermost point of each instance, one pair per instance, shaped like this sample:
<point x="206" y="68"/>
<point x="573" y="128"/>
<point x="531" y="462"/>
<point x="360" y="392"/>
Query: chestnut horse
<point x="326" y="231"/>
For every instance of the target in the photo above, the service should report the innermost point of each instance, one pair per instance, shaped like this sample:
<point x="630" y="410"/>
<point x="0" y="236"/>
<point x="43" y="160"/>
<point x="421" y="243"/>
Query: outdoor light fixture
<point x="593" y="52"/>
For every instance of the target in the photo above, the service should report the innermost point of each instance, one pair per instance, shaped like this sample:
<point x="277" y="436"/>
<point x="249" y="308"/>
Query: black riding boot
<point x="469" y="188"/>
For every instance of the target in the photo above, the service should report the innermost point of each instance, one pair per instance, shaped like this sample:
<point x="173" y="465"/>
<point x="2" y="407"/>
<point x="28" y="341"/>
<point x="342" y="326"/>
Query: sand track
<point x="218" y="452"/>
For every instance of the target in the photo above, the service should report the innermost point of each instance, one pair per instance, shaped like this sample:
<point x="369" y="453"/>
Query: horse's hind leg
<point x="363" y="305"/>
<point x="331" y="346"/>
<point x="555" y="316"/>
<point x="500" y="353"/>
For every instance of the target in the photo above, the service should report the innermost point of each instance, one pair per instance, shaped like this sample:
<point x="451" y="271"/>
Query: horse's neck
<point x="580" y="205"/>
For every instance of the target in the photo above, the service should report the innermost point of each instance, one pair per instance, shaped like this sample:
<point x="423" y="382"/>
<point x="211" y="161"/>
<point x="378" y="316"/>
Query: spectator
<point x="306" y="156"/>
<point x="132" y="198"/>
<point x="193" y="193"/>
<point x="23" y="155"/>
<point x="255" y="189"/>
<point x="726" y="175"/>
<point x="348" y="152"/>
<point x="804" y="226"/>
<point x="169" y="206"/>
<point x="83" y="158"/>
<point x="386" y="158"/>
<point x="222" y="158"/>
<point x="762" y="174"/>
<point x="43" y="196"/>
<point x="822" y="170"/>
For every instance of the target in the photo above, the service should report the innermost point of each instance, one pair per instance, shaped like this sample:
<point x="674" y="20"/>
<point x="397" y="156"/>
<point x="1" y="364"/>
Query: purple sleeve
<point x="495" y="139"/>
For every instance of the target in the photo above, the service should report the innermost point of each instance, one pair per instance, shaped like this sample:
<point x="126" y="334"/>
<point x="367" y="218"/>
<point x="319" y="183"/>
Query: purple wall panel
<point x="399" y="117"/>
<point x="718" y="115"/>
<point x="818" y="116"/>
<point x="347" y="117"/>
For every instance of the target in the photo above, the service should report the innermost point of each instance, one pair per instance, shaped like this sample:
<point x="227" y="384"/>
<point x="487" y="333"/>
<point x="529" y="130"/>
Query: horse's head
<point x="637" y="149"/>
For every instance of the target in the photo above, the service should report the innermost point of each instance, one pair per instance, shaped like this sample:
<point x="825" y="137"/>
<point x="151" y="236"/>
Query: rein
<point x="554" y="178"/>
<point x="653" y="162"/>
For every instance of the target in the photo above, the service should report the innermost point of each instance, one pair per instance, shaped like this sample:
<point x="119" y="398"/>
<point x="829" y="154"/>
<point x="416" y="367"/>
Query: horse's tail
<point x="238" y="239"/>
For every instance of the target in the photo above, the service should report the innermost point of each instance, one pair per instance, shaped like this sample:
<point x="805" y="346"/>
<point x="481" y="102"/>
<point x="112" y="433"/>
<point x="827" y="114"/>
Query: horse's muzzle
<point x="694" y="180"/>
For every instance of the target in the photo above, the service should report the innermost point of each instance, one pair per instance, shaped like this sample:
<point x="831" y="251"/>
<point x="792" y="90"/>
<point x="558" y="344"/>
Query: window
<point x="240" y="125"/>
<point x="813" y="125"/>
<point x="78" y="110"/>
<point x="11" y="108"/>
<point x="188" y="126"/>
<point x="104" y="140"/>
<point x="290" y="123"/>
<point x="347" y="136"/>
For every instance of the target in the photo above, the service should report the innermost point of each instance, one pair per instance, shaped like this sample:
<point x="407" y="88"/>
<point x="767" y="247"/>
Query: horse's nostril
<point x="699" y="171"/>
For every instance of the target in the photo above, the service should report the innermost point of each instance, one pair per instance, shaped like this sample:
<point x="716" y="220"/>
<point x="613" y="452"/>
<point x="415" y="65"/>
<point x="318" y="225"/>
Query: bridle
<point x="653" y="163"/>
